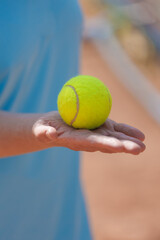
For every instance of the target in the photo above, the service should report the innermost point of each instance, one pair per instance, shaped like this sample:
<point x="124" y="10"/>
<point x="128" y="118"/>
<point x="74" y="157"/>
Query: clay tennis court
<point x="122" y="191"/>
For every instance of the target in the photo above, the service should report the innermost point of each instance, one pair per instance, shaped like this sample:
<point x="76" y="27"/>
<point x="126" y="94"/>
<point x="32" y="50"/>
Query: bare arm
<point x="16" y="134"/>
<point x="24" y="133"/>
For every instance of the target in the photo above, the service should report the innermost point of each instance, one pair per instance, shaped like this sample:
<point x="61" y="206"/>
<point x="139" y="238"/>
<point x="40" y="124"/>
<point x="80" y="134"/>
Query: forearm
<point x="16" y="134"/>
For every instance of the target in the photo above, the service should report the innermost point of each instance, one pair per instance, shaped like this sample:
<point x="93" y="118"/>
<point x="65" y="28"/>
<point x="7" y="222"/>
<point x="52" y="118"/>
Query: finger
<point x="113" y="145"/>
<point x="132" y="148"/>
<point x="105" y="143"/>
<point x="122" y="136"/>
<point x="45" y="133"/>
<point x="83" y="140"/>
<point x="131" y="144"/>
<point x="129" y="130"/>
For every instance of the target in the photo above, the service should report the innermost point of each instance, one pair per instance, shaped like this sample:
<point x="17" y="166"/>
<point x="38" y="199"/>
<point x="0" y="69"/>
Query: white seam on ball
<point x="77" y="103"/>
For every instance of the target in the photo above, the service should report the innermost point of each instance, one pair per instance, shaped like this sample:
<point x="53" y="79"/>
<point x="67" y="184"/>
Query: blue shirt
<point x="40" y="193"/>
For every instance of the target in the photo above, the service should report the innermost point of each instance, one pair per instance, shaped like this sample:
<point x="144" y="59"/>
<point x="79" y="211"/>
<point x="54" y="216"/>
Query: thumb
<point x="45" y="133"/>
<point x="51" y="133"/>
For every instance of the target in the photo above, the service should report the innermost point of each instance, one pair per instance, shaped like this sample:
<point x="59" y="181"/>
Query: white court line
<point x="127" y="72"/>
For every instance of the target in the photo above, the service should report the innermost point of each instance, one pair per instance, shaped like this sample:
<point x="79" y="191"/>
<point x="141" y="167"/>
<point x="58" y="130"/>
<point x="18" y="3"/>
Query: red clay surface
<point x="122" y="191"/>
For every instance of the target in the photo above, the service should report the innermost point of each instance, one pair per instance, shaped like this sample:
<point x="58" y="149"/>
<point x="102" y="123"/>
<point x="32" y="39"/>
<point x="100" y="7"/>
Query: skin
<point x="24" y="133"/>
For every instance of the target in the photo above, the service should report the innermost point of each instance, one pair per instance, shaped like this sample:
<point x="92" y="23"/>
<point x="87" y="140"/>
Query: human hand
<point x="111" y="137"/>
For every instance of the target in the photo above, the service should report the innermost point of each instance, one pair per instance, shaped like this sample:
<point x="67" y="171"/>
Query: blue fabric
<point x="40" y="193"/>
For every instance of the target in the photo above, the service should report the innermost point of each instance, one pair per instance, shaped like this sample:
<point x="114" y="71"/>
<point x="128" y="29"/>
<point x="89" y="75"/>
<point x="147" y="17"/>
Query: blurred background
<point x="121" y="46"/>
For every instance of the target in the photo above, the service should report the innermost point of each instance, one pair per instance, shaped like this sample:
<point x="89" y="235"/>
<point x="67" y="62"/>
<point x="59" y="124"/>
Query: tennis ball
<point x="84" y="102"/>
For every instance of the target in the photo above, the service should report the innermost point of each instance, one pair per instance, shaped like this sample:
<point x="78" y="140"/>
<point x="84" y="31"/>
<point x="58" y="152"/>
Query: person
<point x="41" y="194"/>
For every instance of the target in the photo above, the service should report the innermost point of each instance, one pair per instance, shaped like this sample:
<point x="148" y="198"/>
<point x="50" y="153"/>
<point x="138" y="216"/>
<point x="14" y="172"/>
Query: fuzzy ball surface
<point x="84" y="102"/>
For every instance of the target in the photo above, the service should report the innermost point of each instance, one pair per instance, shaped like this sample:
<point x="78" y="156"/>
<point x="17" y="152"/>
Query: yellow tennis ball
<point x="84" y="102"/>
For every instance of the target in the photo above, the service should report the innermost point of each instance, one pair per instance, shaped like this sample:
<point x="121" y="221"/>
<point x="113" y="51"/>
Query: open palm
<point x="111" y="137"/>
